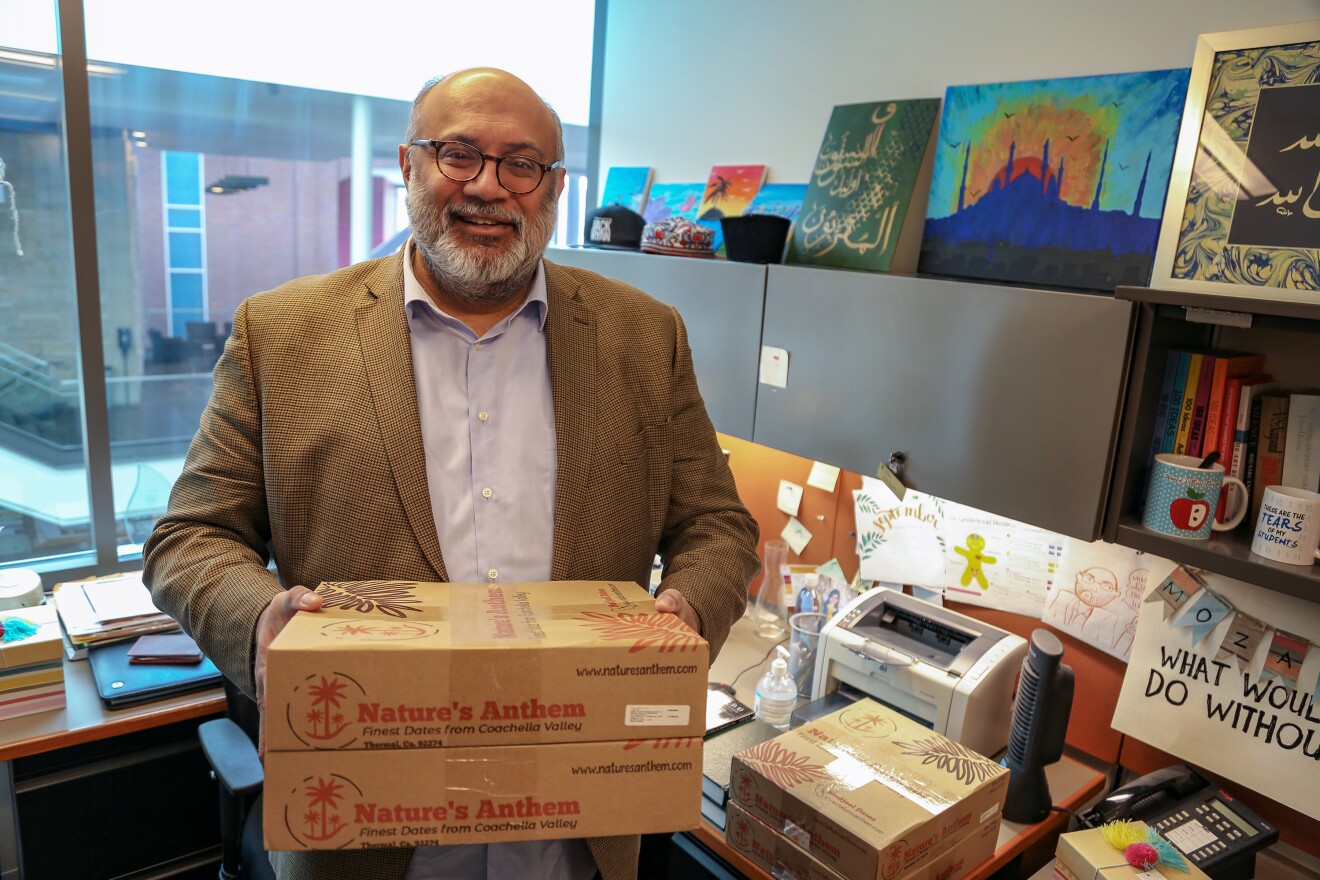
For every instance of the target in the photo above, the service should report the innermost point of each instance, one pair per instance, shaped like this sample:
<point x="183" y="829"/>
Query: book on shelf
<point x="1301" y="466"/>
<point x="1228" y="366"/>
<point x="1175" y="401"/>
<point x="1188" y="404"/>
<point x="1162" y="407"/>
<point x="1242" y="430"/>
<point x="1228" y="416"/>
<point x="1270" y="426"/>
<point x="1200" y="409"/>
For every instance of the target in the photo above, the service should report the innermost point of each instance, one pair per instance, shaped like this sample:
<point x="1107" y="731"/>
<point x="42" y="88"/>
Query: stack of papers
<point x="107" y="609"/>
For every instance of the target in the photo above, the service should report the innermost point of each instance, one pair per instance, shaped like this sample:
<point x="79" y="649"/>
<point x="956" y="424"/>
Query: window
<point x="216" y="174"/>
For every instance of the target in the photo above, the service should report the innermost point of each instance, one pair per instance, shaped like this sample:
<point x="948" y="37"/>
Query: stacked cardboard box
<point x="407" y="714"/>
<point x="865" y="793"/>
<point x="32" y="667"/>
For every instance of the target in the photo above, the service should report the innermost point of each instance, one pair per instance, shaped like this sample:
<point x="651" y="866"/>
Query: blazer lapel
<point x="571" y="350"/>
<point x="387" y="356"/>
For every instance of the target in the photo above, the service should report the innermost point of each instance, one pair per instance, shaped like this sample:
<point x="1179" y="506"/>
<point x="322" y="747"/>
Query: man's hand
<point x="274" y="617"/>
<point x="674" y="602"/>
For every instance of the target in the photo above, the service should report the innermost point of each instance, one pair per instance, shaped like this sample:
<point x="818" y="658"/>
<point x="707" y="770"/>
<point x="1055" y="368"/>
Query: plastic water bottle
<point x="776" y="695"/>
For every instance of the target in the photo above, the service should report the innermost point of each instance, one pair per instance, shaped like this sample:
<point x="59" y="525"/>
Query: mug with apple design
<point x="1182" y="497"/>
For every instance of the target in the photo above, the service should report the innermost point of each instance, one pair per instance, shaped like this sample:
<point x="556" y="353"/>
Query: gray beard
<point x="477" y="273"/>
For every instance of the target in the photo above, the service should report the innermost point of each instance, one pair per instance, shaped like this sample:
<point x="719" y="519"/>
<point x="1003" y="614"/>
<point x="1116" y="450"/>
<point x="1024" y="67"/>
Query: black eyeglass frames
<point x="462" y="162"/>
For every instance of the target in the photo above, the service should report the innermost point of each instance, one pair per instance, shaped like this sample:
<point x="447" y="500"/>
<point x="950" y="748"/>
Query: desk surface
<point x="85" y="718"/>
<point x="1072" y="783"/>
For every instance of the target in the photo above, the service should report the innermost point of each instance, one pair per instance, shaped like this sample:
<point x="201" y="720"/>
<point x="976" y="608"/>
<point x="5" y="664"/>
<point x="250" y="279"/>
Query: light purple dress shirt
<point x="488" y="426"/>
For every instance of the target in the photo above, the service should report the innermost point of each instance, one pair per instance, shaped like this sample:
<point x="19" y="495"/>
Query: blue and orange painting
<point x="1056" y="183"/>
<point x="673" y="199"/>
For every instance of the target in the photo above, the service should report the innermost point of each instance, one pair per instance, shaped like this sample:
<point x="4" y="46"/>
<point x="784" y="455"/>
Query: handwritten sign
<point x="1184" y="696"/>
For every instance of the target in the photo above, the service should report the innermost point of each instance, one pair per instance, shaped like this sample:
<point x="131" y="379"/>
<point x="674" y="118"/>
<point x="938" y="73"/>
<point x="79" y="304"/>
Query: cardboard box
<point x="867" y="791"/>
<point x="356" y="799"/>
<point x="43" y="646"/>
<point x="780" y="857"/>
<point x="397" y="664"/>
<point x="1086" y="854"/>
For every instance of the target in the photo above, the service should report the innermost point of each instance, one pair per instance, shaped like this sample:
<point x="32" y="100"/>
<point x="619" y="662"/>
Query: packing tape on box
<point x="19" y="588"/>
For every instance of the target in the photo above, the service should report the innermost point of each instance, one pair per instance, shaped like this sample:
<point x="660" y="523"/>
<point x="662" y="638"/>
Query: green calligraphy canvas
<point x="865" y="201"/>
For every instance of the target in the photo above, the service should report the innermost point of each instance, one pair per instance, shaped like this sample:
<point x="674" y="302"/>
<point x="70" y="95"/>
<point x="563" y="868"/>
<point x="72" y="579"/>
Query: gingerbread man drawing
<point x="975" y="559"/>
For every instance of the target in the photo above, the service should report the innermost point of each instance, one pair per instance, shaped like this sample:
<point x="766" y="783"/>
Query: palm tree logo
<point x="870" y="723"/>
<point x="322" y="819"/>
<point x="323" y="719"/>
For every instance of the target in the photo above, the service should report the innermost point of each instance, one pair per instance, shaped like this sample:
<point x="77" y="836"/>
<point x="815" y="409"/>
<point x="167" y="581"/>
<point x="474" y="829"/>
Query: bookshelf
<point x="1288" y="334"/>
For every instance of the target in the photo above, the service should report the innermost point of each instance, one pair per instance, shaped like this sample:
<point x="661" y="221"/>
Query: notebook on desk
<point x="120" y="682"/>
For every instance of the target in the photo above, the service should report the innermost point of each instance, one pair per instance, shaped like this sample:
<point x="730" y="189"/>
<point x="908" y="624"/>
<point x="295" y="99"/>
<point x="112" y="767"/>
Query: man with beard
<point x="464" y="411"/>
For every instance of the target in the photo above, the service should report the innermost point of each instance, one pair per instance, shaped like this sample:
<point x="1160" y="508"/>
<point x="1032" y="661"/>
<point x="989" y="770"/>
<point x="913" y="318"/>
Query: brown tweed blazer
<point x="311" y="450"/>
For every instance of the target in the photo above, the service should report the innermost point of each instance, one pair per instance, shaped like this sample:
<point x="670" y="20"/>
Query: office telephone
<point x="1214" y="830"/>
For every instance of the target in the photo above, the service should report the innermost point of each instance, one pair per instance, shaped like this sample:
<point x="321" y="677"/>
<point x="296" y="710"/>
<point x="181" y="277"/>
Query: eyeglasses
<point x="462" y="162"/>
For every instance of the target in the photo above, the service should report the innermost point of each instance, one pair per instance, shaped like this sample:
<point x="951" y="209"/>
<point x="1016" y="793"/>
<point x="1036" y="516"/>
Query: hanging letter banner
<point x="1224" y="686"/>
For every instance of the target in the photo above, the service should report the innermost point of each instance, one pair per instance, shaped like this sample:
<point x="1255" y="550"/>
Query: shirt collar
<point x="413" y="292"/>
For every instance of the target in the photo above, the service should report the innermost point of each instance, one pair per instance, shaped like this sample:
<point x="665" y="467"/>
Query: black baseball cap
<point x="613" y="226"/>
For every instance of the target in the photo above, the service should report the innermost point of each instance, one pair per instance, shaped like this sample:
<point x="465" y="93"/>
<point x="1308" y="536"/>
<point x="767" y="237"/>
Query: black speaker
<point x="1040" y="723"/>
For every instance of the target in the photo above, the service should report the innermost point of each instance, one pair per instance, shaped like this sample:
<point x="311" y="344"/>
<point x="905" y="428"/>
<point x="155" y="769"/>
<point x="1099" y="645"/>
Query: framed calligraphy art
<point x="862" y="208"/>
<point x="1053" y="183"/>
<point x="1243" y="209"/>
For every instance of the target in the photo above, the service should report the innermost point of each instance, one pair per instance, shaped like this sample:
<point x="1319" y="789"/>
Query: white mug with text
<point x="1288" y="528"/>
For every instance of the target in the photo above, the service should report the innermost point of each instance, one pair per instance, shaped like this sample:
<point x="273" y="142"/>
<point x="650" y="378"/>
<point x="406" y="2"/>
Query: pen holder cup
<point x="804" y="640"/>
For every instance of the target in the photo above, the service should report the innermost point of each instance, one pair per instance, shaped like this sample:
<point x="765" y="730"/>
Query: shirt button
<point x="486" y="493"/>
<point x="493" y="573"/>
<point x="482" y="416"/>
<point x="476" y="345"/>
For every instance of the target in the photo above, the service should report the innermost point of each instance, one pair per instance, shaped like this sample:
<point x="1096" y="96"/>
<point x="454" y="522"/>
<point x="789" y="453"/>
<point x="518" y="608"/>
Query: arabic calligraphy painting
<point x="1058" y="183"/>
<point x="863" y="185"/>
<point x="1252" y="209"/>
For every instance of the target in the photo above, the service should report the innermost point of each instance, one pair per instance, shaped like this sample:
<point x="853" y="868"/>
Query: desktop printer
<point x="949" y="671"/>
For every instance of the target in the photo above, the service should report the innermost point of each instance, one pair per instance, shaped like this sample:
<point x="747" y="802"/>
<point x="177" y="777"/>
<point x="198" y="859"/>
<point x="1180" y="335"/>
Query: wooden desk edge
<point x="204" y="703"/>
<point x="713" y="838"/>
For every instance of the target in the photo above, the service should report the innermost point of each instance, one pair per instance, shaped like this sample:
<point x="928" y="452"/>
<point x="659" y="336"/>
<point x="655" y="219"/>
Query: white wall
<point x="694" y="83"/>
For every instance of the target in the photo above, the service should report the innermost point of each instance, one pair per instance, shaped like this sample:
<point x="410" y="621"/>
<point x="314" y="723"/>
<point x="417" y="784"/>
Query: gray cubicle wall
<point x="1005" y="399"/>
<point x="721" y="304"/>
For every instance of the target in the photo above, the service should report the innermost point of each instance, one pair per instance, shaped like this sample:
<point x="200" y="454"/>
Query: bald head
<point x="478" y="87"/>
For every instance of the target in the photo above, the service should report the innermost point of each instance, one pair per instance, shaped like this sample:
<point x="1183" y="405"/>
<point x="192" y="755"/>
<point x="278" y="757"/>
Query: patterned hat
<point x="679" y="237"/>
<point x="613" y="226"/>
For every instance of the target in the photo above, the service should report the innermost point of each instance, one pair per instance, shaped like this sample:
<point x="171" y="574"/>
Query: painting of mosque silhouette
<point x="1053" y="183"/>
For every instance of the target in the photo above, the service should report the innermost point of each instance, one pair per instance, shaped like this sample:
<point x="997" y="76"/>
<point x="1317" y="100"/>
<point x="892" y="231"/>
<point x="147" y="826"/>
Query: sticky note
<point x="790" y="497"/>
<point x="774" y="366"/>
<point x="796" y="535"/>
<point x="823" y="476"/>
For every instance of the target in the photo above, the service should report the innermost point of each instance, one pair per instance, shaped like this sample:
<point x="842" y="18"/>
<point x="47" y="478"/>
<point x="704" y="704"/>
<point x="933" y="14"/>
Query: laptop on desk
<point x="121" y="683"/>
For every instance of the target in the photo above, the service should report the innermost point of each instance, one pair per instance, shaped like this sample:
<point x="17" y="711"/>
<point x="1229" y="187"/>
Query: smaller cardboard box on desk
<point x="31" y="666"/>
<point x="409" y="714"/>
<point x="1086" y="855"/>
<point x="869" y="793"/>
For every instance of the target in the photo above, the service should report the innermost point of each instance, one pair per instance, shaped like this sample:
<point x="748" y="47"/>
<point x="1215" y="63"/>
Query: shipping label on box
<point x="1087" y="854"/>
<point x="781" y="857"/>
<point x="867" y="791"/>
<point x="355" y="799"/>
<point x="397" y="664"/>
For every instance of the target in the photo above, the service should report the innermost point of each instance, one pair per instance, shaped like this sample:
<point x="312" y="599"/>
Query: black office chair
<point x="229" y="744"/>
